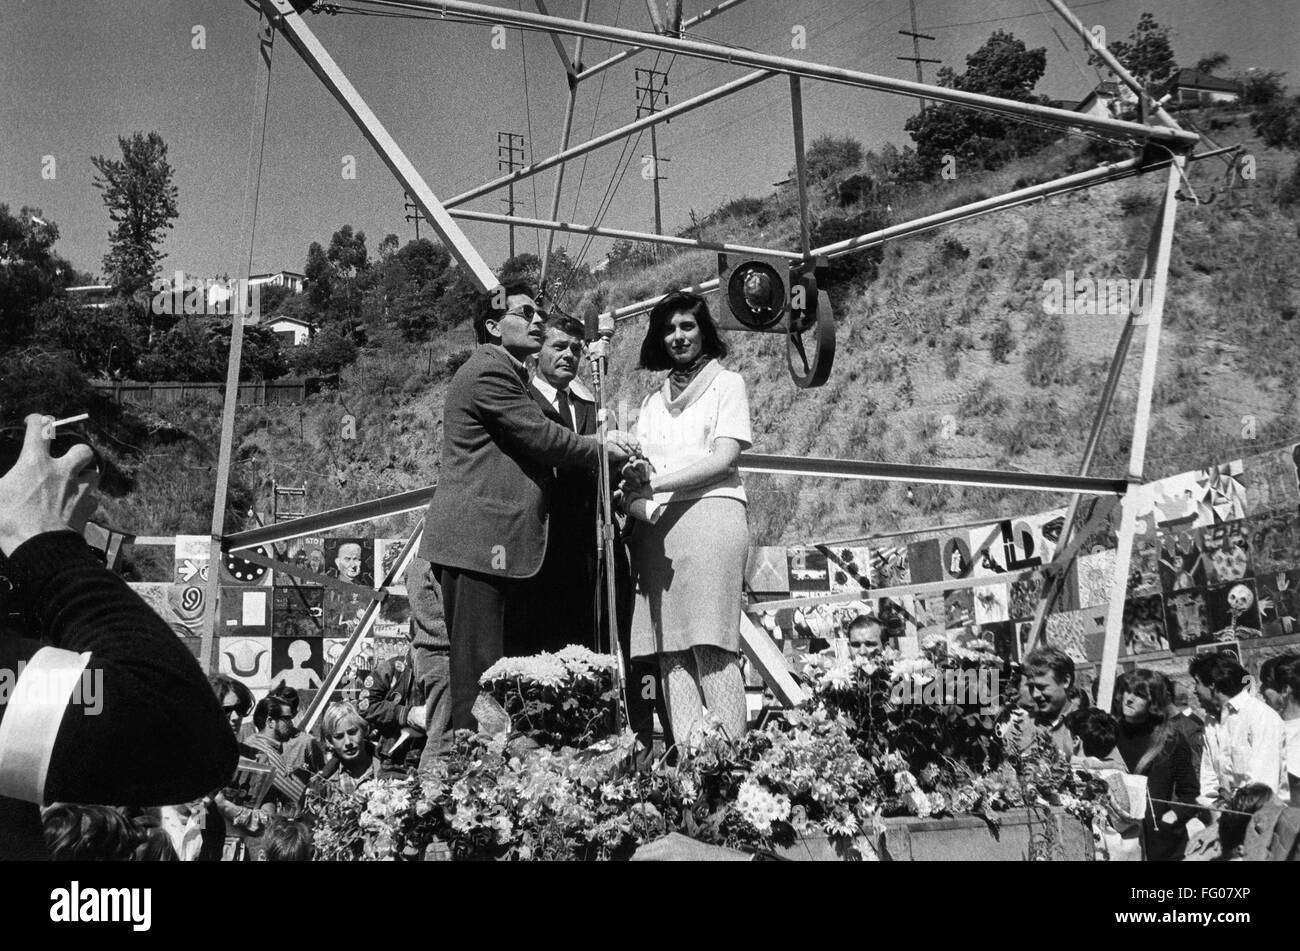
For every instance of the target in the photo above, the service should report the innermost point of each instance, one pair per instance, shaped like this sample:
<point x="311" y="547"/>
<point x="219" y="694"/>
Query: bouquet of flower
<point x="568" y="698"/>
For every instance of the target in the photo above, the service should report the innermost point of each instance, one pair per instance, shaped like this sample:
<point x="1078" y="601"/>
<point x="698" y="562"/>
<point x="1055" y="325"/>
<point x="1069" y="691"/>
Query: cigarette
<point x="70" y="419"/>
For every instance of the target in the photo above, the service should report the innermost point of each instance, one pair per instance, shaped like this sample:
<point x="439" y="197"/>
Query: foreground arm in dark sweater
<point x="154" y="733"/>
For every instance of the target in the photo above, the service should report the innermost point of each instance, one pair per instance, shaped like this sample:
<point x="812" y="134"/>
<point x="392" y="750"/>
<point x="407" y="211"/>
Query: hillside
<point x="945" y="358"/>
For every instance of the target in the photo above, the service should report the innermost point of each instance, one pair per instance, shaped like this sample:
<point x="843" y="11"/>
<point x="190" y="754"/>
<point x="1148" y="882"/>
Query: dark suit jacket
<point x="490" y="511"/>
<point x="573" y="492"/>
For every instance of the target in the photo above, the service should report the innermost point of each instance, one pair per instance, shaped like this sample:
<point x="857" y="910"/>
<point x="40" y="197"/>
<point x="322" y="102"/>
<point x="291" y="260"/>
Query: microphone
<point x="605" y="325"/>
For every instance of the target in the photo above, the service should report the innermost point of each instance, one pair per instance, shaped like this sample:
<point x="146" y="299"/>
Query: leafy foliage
<point x="141" y="202"/>
<point x="1147" y="53"/>
<point x="830" y="155"/>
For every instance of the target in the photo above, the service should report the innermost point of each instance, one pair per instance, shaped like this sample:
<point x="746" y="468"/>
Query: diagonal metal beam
<point x="566" y="130"/>
<point x="559" y="44"/>
<point x="568" y="226"/>
<point x="1059" y="118"/>
<point x="608" y="138"/>
<point x="628" y="54"/>
<point x="398" y="504"/>
<point x="318" y="59"/>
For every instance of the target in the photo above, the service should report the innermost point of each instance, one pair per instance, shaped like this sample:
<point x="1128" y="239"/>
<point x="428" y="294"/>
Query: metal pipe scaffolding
<point x="615" y="135"/>
<point x="1059" y="118"/>
<point x="628" y="54"/>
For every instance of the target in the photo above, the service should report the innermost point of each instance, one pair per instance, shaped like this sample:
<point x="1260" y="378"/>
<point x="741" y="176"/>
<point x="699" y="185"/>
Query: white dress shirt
<point x="551" y="394"/>
<point x="1244" y="743"/>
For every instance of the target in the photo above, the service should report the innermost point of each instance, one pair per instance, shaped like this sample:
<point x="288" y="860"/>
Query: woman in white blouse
<point x="688" y="565"/>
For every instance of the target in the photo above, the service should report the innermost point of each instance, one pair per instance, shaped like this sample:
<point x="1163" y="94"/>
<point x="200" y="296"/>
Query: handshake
<point x="634" y="495"/>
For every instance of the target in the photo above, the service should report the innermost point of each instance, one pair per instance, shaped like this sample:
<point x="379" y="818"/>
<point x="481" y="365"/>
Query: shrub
<point x="830" y="155"/>
<point x="983" y="401"/>
<point x="951" y="251"/>
<point x="859" y="267"/>
<point x="1002" y="340"/>
<point x="325" y="354"/>
<point x="456" y="359"/>
<point x="1045" y="361"/>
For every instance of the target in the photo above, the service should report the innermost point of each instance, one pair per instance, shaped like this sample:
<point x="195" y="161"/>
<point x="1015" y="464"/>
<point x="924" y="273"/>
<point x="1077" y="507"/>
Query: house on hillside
<point x="97" y="296"/>
<point x="291" y="331"/>
<point x="1189" y="87"/>
<point x="290" y="279"/>
<point x="1110" y="100"/>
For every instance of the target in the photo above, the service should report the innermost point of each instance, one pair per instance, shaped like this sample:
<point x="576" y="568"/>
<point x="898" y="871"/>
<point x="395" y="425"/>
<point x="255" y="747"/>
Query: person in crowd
<point x="567" y="589"/>
<point x="1234" y="822"/>
<point x="1095" y="732"/>
<point x="301" y="751"/>
<point x="394" y="706"/>
<point x="1280" y="680"/>
<point x="688" y="565"/>
<point x="274" y="715"/>
<point x="353" y="761"/>
<point x="1152" y="746"/>
<point x="287" y="840"/>
<point x="1049" y="677"/>
<point x="488" y="522"/>
<point x="86" y="833"/>
<point x="139" y="723"/>
<point x="1183" y="718"/>
<point x="865" y="630"/>
<point x="236" y="701"/>
<point x="1244" y="738"/>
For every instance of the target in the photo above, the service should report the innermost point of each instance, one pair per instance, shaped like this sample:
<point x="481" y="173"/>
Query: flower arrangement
<point x="850" y="756"/>
<point x="566" y="698"/>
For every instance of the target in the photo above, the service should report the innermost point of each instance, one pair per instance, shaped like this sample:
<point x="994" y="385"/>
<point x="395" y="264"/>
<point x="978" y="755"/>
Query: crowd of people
<point x="1201" y="777"/>
<point x="508" y="566"/>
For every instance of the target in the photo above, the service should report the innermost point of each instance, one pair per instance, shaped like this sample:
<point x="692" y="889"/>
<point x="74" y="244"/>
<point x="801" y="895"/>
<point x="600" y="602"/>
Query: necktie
<point x="562" y="403"/>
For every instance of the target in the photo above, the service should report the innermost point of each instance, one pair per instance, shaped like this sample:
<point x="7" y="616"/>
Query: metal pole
<point x="243" y="266"/>
<point x="304" y="42"/>
<point x="1113" y="64"/>
<point x="783" y="64"/>
<point x="569" y="226"/>
<point x="654" y="167"/>
<point x="565" y="131"/>
<point x="512" y="214"/>
<point x="744" y="82"/>
<point x="800" y="164"/>
<point x="1142" y="418"/>
<point x="555" y="37"/>
<point x="1108" y="391"/>
<point x="628" y="54"/>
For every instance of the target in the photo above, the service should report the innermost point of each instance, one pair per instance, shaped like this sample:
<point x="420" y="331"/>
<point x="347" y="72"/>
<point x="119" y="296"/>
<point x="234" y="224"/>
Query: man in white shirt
<point x="1244" y="738"/>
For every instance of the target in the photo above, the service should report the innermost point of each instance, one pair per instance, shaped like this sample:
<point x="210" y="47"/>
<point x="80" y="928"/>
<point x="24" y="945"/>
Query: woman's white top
<point x="675" y="433"/>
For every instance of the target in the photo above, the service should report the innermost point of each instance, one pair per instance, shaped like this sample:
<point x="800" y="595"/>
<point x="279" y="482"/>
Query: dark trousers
<point x="486" y="620"/>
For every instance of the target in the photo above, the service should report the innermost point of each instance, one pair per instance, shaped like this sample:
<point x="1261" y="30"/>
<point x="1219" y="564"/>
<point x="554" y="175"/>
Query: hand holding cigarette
<point x="42" y="493"/>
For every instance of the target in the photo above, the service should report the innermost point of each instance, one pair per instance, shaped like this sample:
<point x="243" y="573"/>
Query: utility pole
<point x="651" y="88"/>
<point x="510" y="157"/>
<point x="916" y="48"/>
<point x="417" y="217"/>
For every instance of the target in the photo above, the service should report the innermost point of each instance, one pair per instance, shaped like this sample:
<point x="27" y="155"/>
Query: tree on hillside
<point x="1002" y="67"/>
<point x="626" y="256"/>
<point x="195" y="350"/>
<point x="1147" y="53"/>
<point x="320" y="278"/>
<point x="1278" y="123"/>
<point x="387" y="247"/>
<point x="830" y="155"/>
<point x="104" y="341"/>
<point x="30" y="272"/>
<point x="141" y="201"/>
<point x="1261" y="87"/>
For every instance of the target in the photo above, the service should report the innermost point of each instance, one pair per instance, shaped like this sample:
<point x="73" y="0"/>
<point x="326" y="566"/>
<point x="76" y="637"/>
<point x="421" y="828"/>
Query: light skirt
<point x="688" y="570"/>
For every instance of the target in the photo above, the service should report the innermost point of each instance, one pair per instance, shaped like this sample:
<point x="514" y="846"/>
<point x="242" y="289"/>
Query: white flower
<point x="760" y="808"/>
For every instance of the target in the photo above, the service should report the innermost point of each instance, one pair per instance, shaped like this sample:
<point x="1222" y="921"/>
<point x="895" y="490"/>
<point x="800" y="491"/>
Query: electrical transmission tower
<point x="510" y="156"/>
<point x="651" y="92"/>
<point x="916" y="48"/>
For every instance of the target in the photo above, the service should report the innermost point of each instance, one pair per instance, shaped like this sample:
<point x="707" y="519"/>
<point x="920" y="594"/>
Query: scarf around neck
<point x="680" y="378"/>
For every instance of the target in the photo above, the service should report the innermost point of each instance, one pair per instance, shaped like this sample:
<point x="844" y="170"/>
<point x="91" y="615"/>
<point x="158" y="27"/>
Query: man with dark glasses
<point x="487" y="527"/>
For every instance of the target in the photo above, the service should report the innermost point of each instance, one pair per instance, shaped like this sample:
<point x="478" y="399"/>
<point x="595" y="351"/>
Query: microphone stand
<point x="598" y="352"/>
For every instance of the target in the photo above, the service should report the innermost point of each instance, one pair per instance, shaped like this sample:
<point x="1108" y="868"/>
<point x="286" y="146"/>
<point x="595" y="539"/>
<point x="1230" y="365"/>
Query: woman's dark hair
<point x="1233" y="823"/>
<point x="223" y="684"/>
<point x="1152" y="687"/>
<point x="287" y="840"/>
<point x="654" y="355"/>
<point x="1280" y="673"/>
<point x="282" y="691"/>
<point x="154" y="844"/>
<point x="1095" y="729"/>
<point x="79" y="833"/>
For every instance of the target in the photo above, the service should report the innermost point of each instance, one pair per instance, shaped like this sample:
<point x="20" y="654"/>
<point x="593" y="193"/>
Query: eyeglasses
<point x="528" y="312"/>
<point x="228" y="711"/>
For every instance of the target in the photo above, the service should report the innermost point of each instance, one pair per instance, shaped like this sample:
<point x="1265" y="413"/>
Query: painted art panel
<point x="1227" y="552"/>
<point x="350" y="559"/>
<point x="247" y="659"/>
<point x="1279" y="602"/>
<point x="307" y="552"/>
<point x="1187" y="620"/>
<point x="992" y="603"/>
<point x="849" y="569"/>
<point x="1274" y="541"/>
<point x="768" y="571"/>
<point x="1271" y="484"/>
<point x="1096" y="575"/>
<point x="1233" y="611"/>
<point x="1144" y="630"/>
<point x="299" y="662"/>
<point x="925" y="561"/>
<point x="809" y="572"/>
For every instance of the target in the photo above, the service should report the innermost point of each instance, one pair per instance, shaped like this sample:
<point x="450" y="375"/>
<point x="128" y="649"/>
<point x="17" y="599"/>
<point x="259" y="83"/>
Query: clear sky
<point x="75" y="74"/>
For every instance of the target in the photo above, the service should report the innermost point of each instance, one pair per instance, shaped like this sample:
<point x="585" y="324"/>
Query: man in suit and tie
<point x="566" y="590"/>
<point x="488" y="524"/>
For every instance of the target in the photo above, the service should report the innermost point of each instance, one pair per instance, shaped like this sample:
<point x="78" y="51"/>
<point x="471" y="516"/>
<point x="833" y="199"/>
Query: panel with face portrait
<point x="350" y="559"/>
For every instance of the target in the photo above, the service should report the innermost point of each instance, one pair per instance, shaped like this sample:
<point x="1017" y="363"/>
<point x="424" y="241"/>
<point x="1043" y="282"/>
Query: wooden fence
<point x="170" y="394"/>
